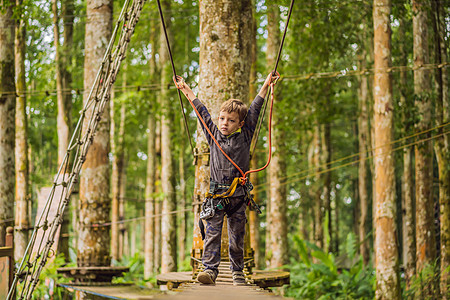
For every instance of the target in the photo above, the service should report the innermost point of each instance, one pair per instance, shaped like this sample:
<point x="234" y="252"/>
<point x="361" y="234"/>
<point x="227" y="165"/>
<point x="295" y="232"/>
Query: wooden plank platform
<point x="115" y="291"/>
<point x="219" y="291"/>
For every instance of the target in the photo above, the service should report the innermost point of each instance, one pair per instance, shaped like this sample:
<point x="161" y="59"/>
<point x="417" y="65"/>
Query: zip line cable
<point x="299" y="77"/>
<point x="175" y="75"/>
<point x="264" y="186"/>
<point x="367" y="151"/>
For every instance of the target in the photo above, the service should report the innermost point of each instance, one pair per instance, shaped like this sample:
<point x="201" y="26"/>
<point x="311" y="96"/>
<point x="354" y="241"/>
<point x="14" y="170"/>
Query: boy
<point x="234" y="132"/>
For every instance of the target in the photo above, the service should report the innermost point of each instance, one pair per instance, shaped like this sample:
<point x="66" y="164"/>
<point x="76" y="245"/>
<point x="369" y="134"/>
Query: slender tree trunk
<point x="408" y="203"/>
<point x="318" y="203"/>
<point x="386" y="262"/>
<point x="337" y="207"/>
<point x="225" y="31"/>
<point x="442" y="145"/>
<point x="95" y="204"/>
<point x="326" y="193"/>
<point x="168" y="220"/>
<point x="63" y="124"/>
<point x="425" y="237"/>
<point x="64" y="100"/>
<point x="149" y="241"/>
<point x="7" y="114"/>
<point x="363" y="136"/>
<point x="117" y="149"/>
<point x="149" y="199"/>
<point x="22" y="214"/>
<point x="253" y="215"/>
<point x="268" y="252"/>
<point x="182" y="203"/>
<point x="157" y="244"/>
<point x="123" y="231"/>
<point x="277" y="167"/>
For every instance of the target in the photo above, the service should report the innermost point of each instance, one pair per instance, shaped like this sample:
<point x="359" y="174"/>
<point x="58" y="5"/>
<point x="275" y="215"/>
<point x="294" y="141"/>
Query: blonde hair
<point x="235" y="105"/>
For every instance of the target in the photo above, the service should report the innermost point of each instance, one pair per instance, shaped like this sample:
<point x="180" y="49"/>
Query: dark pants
<point x="236" y="232"/>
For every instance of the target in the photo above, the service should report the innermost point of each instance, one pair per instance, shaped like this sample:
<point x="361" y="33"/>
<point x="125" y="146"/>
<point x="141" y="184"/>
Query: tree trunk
<point x="318" y="203"/>
<point x="408" y="203"/>
<point x="63" y="116"/>
<point x="182" y="203"/>
<point x="149" y="241"/>
<point x="253" y="216"/>
<point x="363" y="180"/>
<point x="425" y="233"/>
<point x="95" y="205"/>
<point x="326" y="193"/>
<point x="22" y="214"/>
<point x="277" y="167"/>
<point x="442" y="145"/>
<point x="386" y="262"/>
<point x="225" y="31"/>
<point x="157" y="243"/>
<point x="117" y="149"/>
<point x="64" y="104"/>
<point x="149" y="199"/>
<point x="168" y="220"/>
<point x="7" y="114"/>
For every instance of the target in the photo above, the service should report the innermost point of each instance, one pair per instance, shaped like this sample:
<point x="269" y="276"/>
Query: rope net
<point x="39" y="249"/>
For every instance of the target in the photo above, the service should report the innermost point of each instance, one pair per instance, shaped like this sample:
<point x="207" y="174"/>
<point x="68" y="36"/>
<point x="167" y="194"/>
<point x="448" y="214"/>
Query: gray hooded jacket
<point x="235" y="145"/>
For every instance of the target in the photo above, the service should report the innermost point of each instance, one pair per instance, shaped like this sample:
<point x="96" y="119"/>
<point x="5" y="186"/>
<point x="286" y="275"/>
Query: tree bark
<point x="22" y="214"/>
<point x="253" y="216"/>
<point x="157" y="244"/>
<point x="318" y="203"/>
<point x="7" y="114"/>
<point x="326" y="194"/>
<point x="182" y="203"/>
<point x="386" y="262"/>
<point x="277" y="167"/>
<point x="168" y="220"/>
<point x="94" y="245"/>
<point x="64" y="111"/>
<point x="149" y="241"/>
<point x="118" y="151"/>
<point x="425" y="233"/>
<point x="442" y="144"/>
<point x="363" y="180"/>
<point x="225" y="31"/>
<point x="408" y="203"/>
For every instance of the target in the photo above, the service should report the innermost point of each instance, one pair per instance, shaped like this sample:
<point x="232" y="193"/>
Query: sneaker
<point x="238" y="278"/>
<point x="207" y="276"/>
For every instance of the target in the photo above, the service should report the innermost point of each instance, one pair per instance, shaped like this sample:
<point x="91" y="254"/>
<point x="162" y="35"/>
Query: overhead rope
<point x="368" y="150"/>
<point x="38" y="251"/>
<point x="180" y="83"/>
<point x="263" y="186"/>
<point x="261" y="117"/>
<point x="175" y="74"/>
<point x="299" y="77"/>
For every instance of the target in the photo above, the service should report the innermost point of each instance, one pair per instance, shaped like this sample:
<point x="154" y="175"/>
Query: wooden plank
<point x="117" y="291"/>
<point x="219" y="291"/>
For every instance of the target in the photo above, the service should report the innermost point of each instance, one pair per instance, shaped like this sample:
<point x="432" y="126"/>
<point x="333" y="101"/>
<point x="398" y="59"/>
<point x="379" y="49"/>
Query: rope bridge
<point x="68" y="174"/>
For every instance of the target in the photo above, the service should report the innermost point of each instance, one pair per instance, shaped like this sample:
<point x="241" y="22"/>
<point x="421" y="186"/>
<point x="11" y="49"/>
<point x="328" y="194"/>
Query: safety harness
<point x="216" y="202"/>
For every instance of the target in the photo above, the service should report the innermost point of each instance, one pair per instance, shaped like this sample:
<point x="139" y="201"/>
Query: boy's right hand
<point x="179" y="82"/>
<point x="183" y="87"/>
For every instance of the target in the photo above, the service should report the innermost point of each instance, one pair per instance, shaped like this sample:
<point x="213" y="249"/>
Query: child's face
<point x="229" y="122"/>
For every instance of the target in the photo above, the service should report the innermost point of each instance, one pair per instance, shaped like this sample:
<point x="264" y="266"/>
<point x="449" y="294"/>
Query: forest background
<point x="323" y="176"/>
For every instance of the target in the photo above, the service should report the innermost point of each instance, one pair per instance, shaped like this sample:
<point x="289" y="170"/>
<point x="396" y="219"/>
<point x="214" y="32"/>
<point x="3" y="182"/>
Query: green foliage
<point x="136" y="273"/>
<point x="48" y="280"/>
<point x="424" y="283"/>
<point x="317" y="275"/>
